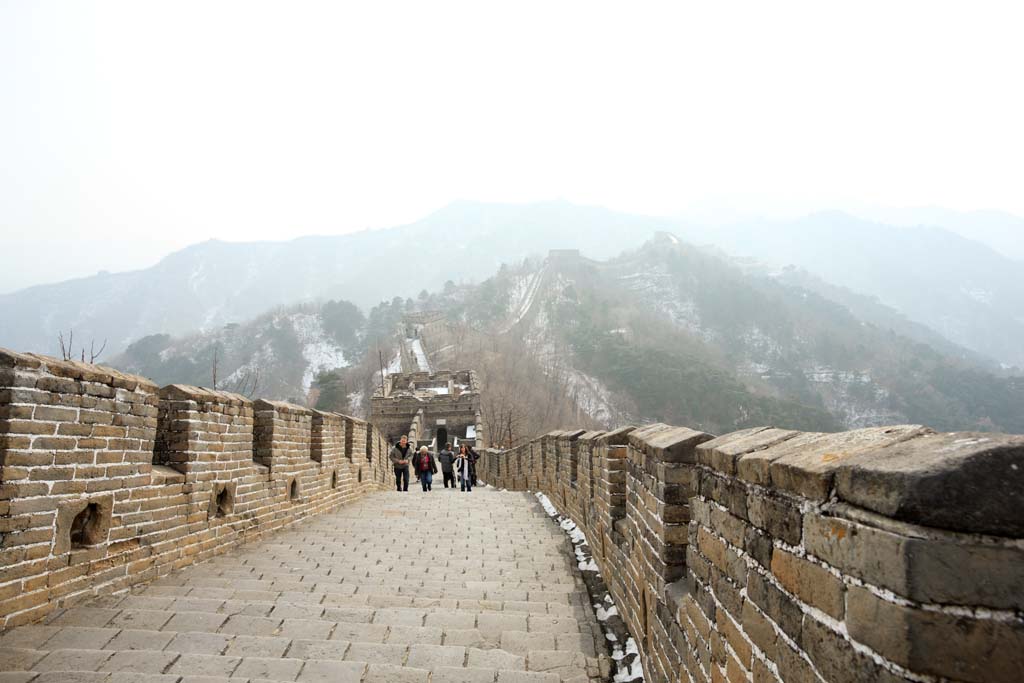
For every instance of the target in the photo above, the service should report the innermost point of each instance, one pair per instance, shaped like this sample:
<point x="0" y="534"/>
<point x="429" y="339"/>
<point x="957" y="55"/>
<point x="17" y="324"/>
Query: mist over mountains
<point x="962" y="289"/>
<point x="968" y="293"/>
<point x="214" y="283"/>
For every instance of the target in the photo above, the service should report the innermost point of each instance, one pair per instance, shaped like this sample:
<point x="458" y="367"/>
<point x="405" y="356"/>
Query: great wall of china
<point x="888" y="554"/>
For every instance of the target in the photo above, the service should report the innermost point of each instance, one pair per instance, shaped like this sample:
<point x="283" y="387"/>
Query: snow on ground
<point x="419" y="354"/>
<point x="523" y="294"/>
<point x="319" y="351"/>
<point x="660" y="290"/>
<point x="355" y="403"/>
<point x="627" y="661"/>
<point x="395" y="366"/>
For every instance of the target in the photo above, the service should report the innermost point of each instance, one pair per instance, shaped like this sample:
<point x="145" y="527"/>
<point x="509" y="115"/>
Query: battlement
<point x="885" y="554"/>
<point x="107" y="480"/>
<point x="424" y="405"/>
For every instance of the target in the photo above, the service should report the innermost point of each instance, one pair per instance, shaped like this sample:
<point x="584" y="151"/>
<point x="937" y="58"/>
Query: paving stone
<point x="72" y="677"/>
<point x="242" y="625"/>
<point x="360" y="633"/>
<point x="144" y="619"/>
<point x="204" y="665"/>
<point x="452" y="620"/>
<point x="501" y="621"/>
<point x="269" y="668"/>
<point x="318" y="649"/>
<point x="527" y="677"/>
<point x="332" y="672"/>
<point x="447" y="674"/>
<point x="198" y="643"/>
<point x="139" y="661"/>
<point x="389" y="673"/>
<point x="376" y="652"/>
<point x="16" y="676"/>
<point x="399" y="617"/>
<point x="431" y="656"/>
<point x="29" y="636"/>
<point x="194" y="621"/>
<point x="494" y="659"/>
<point x="470" y="638"/>
<point x="80" y="638"/>
<point x="257" y="646"/>
<point x="521" y="642"/>
<point x="132" y="639"/>
<point x="19" y="659"/>
<point x="350" y="615"/>
<point x="131" y="677"/>
<point x="85" y="616"/>
<point x="72" y="660"/>
<point x="414" y="634"/>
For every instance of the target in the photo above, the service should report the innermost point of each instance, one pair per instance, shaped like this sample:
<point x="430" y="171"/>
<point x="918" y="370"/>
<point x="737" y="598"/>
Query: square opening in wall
<point x="82" y="524"/>
<point x="222" y="501"/>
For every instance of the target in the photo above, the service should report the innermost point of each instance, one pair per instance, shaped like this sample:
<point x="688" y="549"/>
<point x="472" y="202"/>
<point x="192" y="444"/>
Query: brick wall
<point x="107" y="480"/>
<point x="885" y="554"/>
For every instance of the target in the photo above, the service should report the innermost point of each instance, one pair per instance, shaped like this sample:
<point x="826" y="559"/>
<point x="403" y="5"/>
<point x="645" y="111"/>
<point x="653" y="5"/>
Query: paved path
<point x="443" y="587"/>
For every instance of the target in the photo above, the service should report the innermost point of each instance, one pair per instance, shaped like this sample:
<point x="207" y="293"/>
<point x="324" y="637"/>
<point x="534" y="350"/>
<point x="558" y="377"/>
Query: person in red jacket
<point x="426" y="467"/>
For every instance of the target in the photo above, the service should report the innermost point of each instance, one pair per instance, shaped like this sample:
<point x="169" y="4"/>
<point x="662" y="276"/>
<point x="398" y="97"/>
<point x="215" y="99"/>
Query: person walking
<point x="464" y="466"/>
<point x="426" y="468"/>
<point x="447" y="460"/>
<point x="400" y="462"/>
<point x="473" y="457"/>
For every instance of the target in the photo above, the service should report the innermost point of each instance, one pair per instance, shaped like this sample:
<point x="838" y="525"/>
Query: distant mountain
<point x="999" y="230"/>
<point x="674" y="333"/>
<point x="208" y="285"/>
<point x="275" y="355"/>
<point x="962" y="289"/>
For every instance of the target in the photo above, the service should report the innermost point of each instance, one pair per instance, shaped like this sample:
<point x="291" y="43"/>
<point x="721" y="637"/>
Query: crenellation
<point x="887" y="554"/>
<point x="108" y="480"/>
<point x="775" y="555"/>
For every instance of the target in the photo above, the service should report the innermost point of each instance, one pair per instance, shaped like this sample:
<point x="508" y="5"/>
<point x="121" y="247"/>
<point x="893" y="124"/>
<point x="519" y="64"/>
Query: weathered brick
<point x="812" y="583"/>
<point x="937" y="643"/>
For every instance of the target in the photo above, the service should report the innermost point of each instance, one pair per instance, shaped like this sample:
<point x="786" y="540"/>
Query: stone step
<point x="555" y="618"/>
<point x="249" y="638"/>
<point x="361" y="662"/>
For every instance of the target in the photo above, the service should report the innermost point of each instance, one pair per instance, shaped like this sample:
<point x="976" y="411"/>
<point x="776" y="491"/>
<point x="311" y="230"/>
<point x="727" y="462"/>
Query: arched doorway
<point x="442" y="438"/>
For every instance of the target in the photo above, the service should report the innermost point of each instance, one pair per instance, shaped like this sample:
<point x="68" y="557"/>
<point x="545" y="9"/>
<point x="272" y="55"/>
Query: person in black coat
<point x="447" y="459"/>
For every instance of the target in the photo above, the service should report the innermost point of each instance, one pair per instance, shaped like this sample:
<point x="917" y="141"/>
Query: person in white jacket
<point x="465" y="466"/>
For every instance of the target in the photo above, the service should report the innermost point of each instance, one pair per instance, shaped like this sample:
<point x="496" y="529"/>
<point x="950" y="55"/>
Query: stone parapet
<point x="107" y="480"/>
<point x="883" y="554"/>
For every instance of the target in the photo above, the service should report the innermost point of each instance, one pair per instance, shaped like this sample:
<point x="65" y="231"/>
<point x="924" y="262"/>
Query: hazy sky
<point x="131" y="128"/>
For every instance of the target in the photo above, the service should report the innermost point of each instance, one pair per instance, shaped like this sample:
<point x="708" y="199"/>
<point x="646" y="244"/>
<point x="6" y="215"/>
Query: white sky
<point x="131" y="128"/>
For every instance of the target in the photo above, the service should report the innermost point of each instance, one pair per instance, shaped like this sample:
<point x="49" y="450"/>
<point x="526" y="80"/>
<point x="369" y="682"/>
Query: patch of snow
<point x="982" y="296"/>
<point x="318" y="350"/>
<point x="395" y="366"/>
<point x="421" y="356"/>
<point x="634" y="671"/>
<point x="355" y="402"/>
<point x="630" y="670"/>
<point x="521" y="298"/>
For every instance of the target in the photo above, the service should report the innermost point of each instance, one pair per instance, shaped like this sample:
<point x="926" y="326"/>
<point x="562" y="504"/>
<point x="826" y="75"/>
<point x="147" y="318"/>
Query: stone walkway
<point x="444" y="587"/>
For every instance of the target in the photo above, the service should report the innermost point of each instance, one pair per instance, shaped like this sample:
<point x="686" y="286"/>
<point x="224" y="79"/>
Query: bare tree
<point x="67" y="349"/>
<point x="247" y="384"/>
<point x="214" y="365"/>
